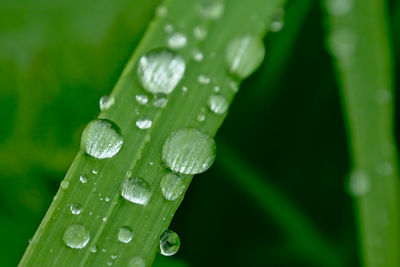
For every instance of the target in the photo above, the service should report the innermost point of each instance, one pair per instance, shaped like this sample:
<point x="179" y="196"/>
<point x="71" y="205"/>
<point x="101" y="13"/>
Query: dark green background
<point x="57" y="58"/>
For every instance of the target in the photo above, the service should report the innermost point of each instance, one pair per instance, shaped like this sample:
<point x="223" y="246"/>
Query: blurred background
<point x="285" y="131"/>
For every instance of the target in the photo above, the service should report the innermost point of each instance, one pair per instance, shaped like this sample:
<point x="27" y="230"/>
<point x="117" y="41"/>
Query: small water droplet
<point x="168" y="28"/>
<point x="142" y="99"/>
<point x="197" y="55"/>
<point x="107" y="199"/>
<point x="137" y="262"/>
<point x="218" y="104"/>
<point x="184" y="89"/>
<point x="177" y="40"/>
<point x="109" y="263"/>
<point x="76" y="209"/>
<point x="383" y="96"/>
<point x="201" y="117"/>
<point x="161" y="11"/>
<point x="125" y="234"/>
<point x="200" y="33"/>
<point x="385" y="168"/>
<point x="277" y="22"/>
<point x="244" y="55"/>
<point x="160" y="100"/>
<point x="114" y="257"/>
<point x="234" y="86"/>
<point x="359" y="183"/>
<point x="104" y="219"/>
<point x="106" y="102"/>
<point x="93" y="249"/>
<point x="160" y="71"/>
<point x="339" y="7"/>
<point x="169" y="243"/>
<point x="76" y="236"/>
<point x="101" y="139"/>
<point x="64" y="184"/>
<point x="211" y="9"/>
<point x="189" y="151"/>
<point x="217" y="89"/>
<point x="144" y="123"/>
<point x="203" y="79"/>
<point x="343" y="43"/>
<point x="94" y="171"/>
<point x="83" y="179"/>
<point x="172" y="186"/>
<point x="136" y="191"/>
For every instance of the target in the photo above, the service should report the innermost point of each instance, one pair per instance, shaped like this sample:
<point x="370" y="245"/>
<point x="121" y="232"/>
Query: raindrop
<point x="189" y="151"/>
<point x="211" y="9"/>
<point x="217" y="89"/>
<point x="244" y="55"/>
<point x="177" y="40"/>
<point x="101" y="139"/>
<point x="142" y="99"/>
<point x="168" y="28"/>
<point x="83" y="179"/>
<point x="339" y="7"/>
<point x="169" y="243"/>
<point x="125" y="234"/>
<point x="137" y="262"/>
<point x="201" y="117"/>
<point x="277" y="22"/>
<point x="107" y="199"/>
<point x="198" y="55"/>
<point x="76" y="209"/>
<point x="200" y="33"/>
<point x="217" y="104"/>
<point x="160" y="100"/>
<point x="144" y="123"/>
<point x="172" y="186"/>
<point x="64" y="185"/>
<point x="184" y="89"/>
<point x="136" y="191"/>
<point x="162" y="11"/>
<point x="359" y="183"/>
<point x="342" y="43"/>
<point x="106" y="102"/>
<point x="93" y="249"/>
<point x="203" y="79"/>
<point x="76" y="236"/>
<point x="160" y="71"/>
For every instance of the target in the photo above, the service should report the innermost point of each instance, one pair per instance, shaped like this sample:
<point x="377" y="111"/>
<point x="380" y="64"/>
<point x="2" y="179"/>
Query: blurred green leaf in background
<point x="285" y="129"/>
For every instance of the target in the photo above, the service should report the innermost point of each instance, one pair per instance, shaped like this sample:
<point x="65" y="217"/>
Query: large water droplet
<point x="172" y="186"/>
<point x="169" y="243"/>
<point x="125" y="234"/>
<point x="144" y="123"/>
<point x="189" y="151"/>
<point x="218" y="104"/>
<point x="137" y="262"/>
<point x="76" y="209"/>
<point x="211" y="9"/>
<point x="106" y="102"/>
<point x="160" y="100"/>
<point x="160" y="71"/>
<point x="244" y="55"/>
<point x="177" y="40"/>
<point x="359" y="183"/>
<point x="76" y="236"/>
<point x="136" y="191"/>
<point x="101" y="139"/>
<point x="339" y="7"/>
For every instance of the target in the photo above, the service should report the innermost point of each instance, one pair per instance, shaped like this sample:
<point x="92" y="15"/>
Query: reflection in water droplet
<point x="218" y="104"/>
<point x="136" y="191"/>
<point x="125" y="234"/>
<point x="144" y="123"/>
<point x="211" y="9"/>
<point x="76" y="209"/>
<point x="359" y="183"/>
<point x="142" y="99"/>
<point x="172" y="186"/>
<point x="169" y="243"/>
<point x="244" y="55"/>
<point x="160" y="100"/>
<point x="160" y="71"/>
<point x="76" y="236"/>
<point x="200" y="33"/>
<point x="189" y="151"/>
<point x="137" y="262"/>
<point x="106" y="102"/>
<point x="101" y="139"/>
<point x="177" y="40"/>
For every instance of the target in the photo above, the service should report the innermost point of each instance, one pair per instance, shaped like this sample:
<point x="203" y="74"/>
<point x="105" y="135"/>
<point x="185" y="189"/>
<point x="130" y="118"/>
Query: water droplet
<point x="343" y="43"/>
<point x="200" y="33"/>
<point x="277" y="22"/>
<point x="359" y="183"/>
<point x="172" y="186"/>
<point x="197" y="55"/>
<point x="142" y="99"/>
<point x="184" y="89"/>
<point x="216" y="89"/>
<point x="101" y="139"/>
<point x="244" y="55"/>
<point x="137" y="262"/>
<point x="168" y="28"/>
<point x="383" y="96"/>
<point x="94" y="171"/>
<point x="385" y="168"/>
<point x="76" y="209"/>
<point x="162" y="11"/>
<point x="218" y="104"/>
<point x="169" y="243"/>
<point x="114" y="257"/>
<point x="106" y="102"/>
<point x="160" y="71"/>
<point x="189" y="151"/>
<point x="136" y="191"/>
<point x="144" y="123"/>
<point x="125" y="234"/>
<point x="107" y="199"/>
<point x="109" y="263"/>
<point x="177" y="40"/>
<point x="203" y="79"/>
<point x="201" y="117"/>
<point x="211" y="9"/>
<point x="64" y="184"/>
<point x="234" y="86"/>
<point x="83" y="179"/>
<point x="160" y="100"/>
<point x="339" y="7"/>
<point x="76" y="236"/>
<point x="104" y="219"/>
